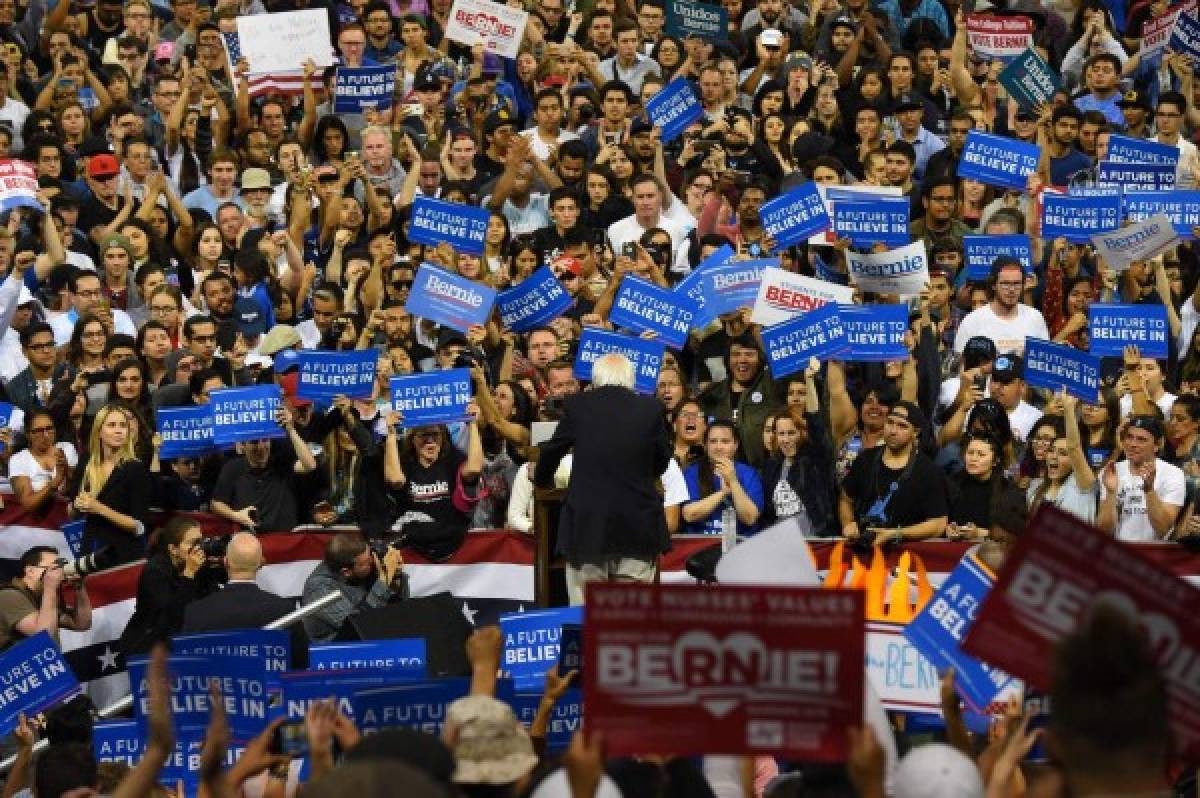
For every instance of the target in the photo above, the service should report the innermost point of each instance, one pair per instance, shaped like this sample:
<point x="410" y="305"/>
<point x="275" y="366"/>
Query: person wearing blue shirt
<point x="718" y="483"/>
<point x="1102" y="76"/>
<point x="903" y="12"/>
<point x="1063" y="135"/>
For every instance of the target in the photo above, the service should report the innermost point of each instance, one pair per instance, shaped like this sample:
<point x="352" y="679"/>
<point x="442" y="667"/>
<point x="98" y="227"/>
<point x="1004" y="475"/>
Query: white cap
<point x="771" y="37"/>
<point x="937" y="771"/>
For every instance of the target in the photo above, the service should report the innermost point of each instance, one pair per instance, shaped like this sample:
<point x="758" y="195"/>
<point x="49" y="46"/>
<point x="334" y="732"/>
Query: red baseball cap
<point x="290" y="383"/>
<point x="103" y="165"/>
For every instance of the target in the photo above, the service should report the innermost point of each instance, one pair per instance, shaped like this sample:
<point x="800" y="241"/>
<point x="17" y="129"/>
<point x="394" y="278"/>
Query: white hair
<point x="613" y="369"/>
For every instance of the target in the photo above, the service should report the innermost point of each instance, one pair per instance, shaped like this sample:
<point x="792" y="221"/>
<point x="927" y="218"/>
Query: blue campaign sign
<point x="325" y="374"/>
<point x="358" y="88"/>
<point x="272" y="646"/>
<point x="435" y="397"/>
<point x="998" y="160"/>
<point x="33" y="678"/>
<point x="1113" y="327"/>
<point x="436" y="221"/>
<point x="73" y="532"/>
<point x="874" y="221"/>
<point x="1127" y="149"/>
<point x="531" y="643"/>
<point x="565" y="720"/>
<point x="301" y="689"/>
<point x="6" y="417"/>
<point x="674" y="108"/>
<point x="1077" y="218"/>
<point x="733" y="285"/>
<point x="533" y="302"/>
<point x="570" y="650"/>
<point x="417" y="705"/>
<point x="405" y="657"/>
<point x="117" y="741"/>
<point x="643" y="306"/>
<point x="1136" y="176"/>
<point x="448" y="299"/>
<point x="875" y="333"/>
<point x="245" y="414"/>
<point x="826" y="272"/>
<point x="241" y="680"/>
<point x="646" y="356"/>
<point x="938" y="631"/>
<point x="1185" y="36"/>
<point x="818" y="333"/>
<point x="1181" y="207"/>
<point x="692" y="286"/>
<point x="981" y="251"/>
<point x="1056" y="366"/>
<point x="795" y="216"/>
<point x="693" y="18"/>
<point x="186" y="431"/>
<point x="1030" y="80"/>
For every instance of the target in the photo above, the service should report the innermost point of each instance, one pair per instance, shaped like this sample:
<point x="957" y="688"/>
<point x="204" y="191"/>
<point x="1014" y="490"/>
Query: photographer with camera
<point x="366" y="576"/>
<point x="177" y="572"/>
<point x="32" y="603"/>
<point x="894" y="493"/>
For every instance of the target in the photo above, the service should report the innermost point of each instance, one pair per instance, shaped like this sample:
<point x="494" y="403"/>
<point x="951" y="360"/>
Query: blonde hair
<point x="93" y="478"/>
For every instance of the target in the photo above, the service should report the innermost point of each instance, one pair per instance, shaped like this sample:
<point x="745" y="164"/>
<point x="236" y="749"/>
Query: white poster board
<point x="499" y="27"/>
<point x="284" y="41"/>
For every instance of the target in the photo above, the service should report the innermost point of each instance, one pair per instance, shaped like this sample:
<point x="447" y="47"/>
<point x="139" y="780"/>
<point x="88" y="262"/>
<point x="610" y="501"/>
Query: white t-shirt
<point x="539" y="147"/>
<point x="1022" y="419"/>
<point x="628" y="229"/>
<point x="1164" y="404"/>
<point x="24" y="464"/>
<point x="1008" y="334"/>
<point x="1132" y="522"/>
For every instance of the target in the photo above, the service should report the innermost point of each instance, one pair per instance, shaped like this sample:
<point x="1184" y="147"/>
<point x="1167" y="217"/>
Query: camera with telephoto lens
<point x="466" y="360"/>
<point x="89" y="564"/>
<point x="214" y="548"/>
<point x="866" y="532"/>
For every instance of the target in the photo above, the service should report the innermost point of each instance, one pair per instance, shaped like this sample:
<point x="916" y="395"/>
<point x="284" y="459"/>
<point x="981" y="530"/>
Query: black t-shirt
<point x="268" y="490"/>
<point x="94" y="213"/>
<point x="430" y="490"/>
<point x="916" y="498"/>
<point x="971" y="501"/>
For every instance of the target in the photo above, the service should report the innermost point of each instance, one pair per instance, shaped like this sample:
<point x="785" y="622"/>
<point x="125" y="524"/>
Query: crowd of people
<point x="194" y="233"/>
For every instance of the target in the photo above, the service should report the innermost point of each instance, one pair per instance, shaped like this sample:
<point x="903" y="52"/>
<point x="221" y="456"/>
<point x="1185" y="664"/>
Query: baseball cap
<point x="771" y="37"/>
<point x="498" y="119"/>
<point x="844" y="22"/>
<point x="490" y="745"/>
<point x="492" y="65"/>
<point x="290" y="383"/>
<point x="1008" y="367"/>
<point x="979" y="350"/>
<point x="641" y="124"/>
<point x="937" y="770"/>
<point x="799" y="61"/>
<point x="1135" y="98"/>
<point x="281" y="336"/>
<point x="102" y="166"/>
<point x="908" y="102"/>
<point x="1150" y="424"/>
<point x="116" y="241"/>
<point x="448" y="336"/>
<point x="425" y="80"/>
<point x="250" y="317"/>
<point x="565" y="263"/>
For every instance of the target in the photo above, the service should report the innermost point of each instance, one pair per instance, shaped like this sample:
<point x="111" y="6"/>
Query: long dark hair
<point x="706" y="477"/>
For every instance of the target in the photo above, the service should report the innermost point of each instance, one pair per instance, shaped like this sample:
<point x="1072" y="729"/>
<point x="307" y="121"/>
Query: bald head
<point x="243" y="558"/>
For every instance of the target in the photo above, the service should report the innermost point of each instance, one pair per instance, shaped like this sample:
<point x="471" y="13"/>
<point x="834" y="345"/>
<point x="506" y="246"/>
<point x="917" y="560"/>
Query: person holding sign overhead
<point x="439" y="486"/>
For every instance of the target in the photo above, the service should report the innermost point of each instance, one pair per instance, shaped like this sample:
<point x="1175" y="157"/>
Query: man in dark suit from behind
<point x="242" y="604"/>
<point x="612" y="526"/>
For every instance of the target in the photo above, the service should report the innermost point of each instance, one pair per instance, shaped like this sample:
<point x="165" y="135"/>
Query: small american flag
<point x="283" y="82"/>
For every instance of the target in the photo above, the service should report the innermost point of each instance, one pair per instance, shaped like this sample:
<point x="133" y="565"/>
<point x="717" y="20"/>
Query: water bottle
<point x="728" y="527"/>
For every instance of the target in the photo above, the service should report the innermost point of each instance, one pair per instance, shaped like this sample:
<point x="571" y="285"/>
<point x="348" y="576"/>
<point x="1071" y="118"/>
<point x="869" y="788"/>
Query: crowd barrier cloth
<point x="492" y="573"/>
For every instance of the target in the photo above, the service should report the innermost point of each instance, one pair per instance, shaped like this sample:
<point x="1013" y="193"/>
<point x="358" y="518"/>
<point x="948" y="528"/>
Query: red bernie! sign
<point x="1059" y="569"/>
<point x="730" y="670"/>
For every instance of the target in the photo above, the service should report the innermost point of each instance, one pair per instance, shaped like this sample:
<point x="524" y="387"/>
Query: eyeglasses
<point x="162" y="310"/>
<point x="691" y="414"/>
<point x="45" y="346"/>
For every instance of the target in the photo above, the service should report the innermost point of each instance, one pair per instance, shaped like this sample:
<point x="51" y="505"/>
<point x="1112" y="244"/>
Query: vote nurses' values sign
<point x="731" y="670"/>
